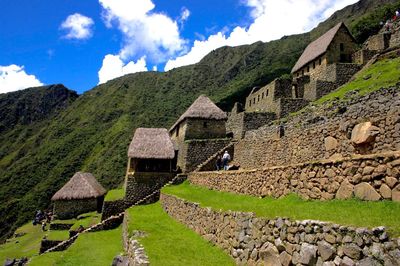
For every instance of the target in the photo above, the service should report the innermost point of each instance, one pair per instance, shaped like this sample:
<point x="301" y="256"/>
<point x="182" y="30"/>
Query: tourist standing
<point x="225" y="159"/>
<point x="218" y="163"/>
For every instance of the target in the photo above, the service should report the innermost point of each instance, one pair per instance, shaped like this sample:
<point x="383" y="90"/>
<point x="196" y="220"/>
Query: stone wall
<point x="251" y="240"/>
<point x="378" y="42"/>
<point x="362" y="56"/>
<point x="140" y="185"/>
<point x="111" y="208"/>
<point x="204" y="129"/>
<point x="60" y="226"/>
<point x="323" y="132"/>
<point x="66" y="209"/>
<point x="134" y="250"/>
<point x="194" y="152"/>
<point x="368" y="177"/>
<point x="239" y="123"/>
<point x="318" y="88"/>
<point x="210" y="163"/>
<point x="285" y="106"/>
<point x="395" y="39"/>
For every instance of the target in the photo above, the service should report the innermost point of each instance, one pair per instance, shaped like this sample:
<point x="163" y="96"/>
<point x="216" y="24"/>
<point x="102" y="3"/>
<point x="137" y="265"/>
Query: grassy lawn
<point x="382" y="74"/>
<point x="98" y="248"/>
<point x="345" y="212"/>
<point x="24" y="246"/>
<point x="171" y="243"/>
<point x="57" y="235"/>
<point x="115" y="194"/>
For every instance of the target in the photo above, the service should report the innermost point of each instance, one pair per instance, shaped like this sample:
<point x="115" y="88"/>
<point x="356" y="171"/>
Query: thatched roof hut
<point x="80" y="186"/>
<point x="151" y="143"/>
<point x="204" y="108"/>
<point x="318" y="47"/>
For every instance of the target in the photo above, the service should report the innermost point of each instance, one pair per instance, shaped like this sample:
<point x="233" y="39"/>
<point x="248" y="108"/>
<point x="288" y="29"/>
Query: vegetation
<point x="382" y="74"/>
<point x="26" y="245"/>
<point x="345" y="212"/>
<point x="115" y="194"/>
<point x="98" y="248"/>
<point x="369" y="24"/>
<point x="39" y="153"/>
<point x="168" y="242"/>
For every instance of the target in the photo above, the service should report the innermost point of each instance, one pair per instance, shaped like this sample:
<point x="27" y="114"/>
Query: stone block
<point x="326" y="250"/>
<point x="345" y="190"/>
<point x="308" y="254"/>
<point x="364" y="133"/>
<point x="390" y="181"/>
<point x="352" y="250"/>
<point x="330" y="143"/>
<point x="385" y="191"/>
<point x="365" y="191"/>
<point x="396" y="193"/>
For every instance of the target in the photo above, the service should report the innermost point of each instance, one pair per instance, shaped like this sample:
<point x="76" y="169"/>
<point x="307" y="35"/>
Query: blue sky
<point x="83" y="43"/>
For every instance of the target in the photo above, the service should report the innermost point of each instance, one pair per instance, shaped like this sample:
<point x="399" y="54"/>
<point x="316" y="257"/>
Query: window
<point x="205" y="125"/>
<point x="341" y="47"/>
<point x="262" y="95"/>
<point x="320" y="61"/>
<point x="258" y="98"/>
<point x="254" y="101"/>
<point x="250" y="103"/>
<point x="308" y="69"/>
<point x="177" y="130"/>
<point x="267" y="93"/>
<point x="302" y="72"/>
<point x="313" y="65"/>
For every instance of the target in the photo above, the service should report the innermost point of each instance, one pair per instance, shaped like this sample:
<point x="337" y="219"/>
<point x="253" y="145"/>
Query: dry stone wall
<point x="66" y="209"/>
<point x="323" y="132"/>
<point x="368" y="177"/>
<point x="195" y="152"/>
<point x="251" y="240"/>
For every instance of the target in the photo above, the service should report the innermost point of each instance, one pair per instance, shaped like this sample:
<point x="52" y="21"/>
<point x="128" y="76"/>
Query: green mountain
<point x="41" y="150"/>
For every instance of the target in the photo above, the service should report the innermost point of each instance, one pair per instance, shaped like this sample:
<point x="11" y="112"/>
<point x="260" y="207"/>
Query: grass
<point x="57" y="235"/>
<point x="115" y="194"/>
<point x="382" y="74"/>
<point x="170" y="243"/>
<point x="24" y="246"/>
<point x="345" y="212"/>
<point x="98" y="248"/>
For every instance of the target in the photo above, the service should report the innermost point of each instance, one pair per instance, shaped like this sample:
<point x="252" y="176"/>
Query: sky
<point x="85" y="43"/>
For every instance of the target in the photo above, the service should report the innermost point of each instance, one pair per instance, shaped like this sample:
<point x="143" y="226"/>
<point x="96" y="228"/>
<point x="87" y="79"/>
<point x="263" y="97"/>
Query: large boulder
<point x="365" y="191"/>
<point x="364" y="133"/>
<point x="345" y="191"/>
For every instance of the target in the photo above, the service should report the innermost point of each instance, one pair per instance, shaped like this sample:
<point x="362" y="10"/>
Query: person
<point x="225" y="159"/>
<point x="218" y="163"/>
<point x="43" y="225"/>
<point x="397" y="13"/>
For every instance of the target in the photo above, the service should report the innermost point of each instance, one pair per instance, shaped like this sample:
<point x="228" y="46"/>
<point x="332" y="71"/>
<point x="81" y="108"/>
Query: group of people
<point x="222" y="162"/>
<point x="389" y="23"/>
<point x="42" y="218"/>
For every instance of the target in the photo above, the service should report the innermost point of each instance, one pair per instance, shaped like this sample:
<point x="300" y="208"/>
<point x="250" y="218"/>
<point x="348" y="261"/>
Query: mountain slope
<point x="93" y="133"/>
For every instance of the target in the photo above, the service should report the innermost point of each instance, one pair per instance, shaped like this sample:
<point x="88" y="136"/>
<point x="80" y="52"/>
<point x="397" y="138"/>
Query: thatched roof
<point x="151" y="143"/>
<point x="80" y="186"/>
<point x="318" y="47"/>
<point x="204" y="108"/>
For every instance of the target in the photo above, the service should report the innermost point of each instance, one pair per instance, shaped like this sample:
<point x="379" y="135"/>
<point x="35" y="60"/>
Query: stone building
<point x="199" y="133"/>
<point x="81" y="194"/>
<point x="325" y="64"/>
<point x="151" y="161"/>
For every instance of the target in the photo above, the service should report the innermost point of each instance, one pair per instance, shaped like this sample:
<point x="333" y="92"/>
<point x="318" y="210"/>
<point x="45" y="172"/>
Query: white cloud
<point x="271" y="20"/>
<point x="13" y="78"/>
<point x="78" y="27"/>
<point x="185" y="13"/>
<point x="114" y="67"/>
<point x="144" y="31"/>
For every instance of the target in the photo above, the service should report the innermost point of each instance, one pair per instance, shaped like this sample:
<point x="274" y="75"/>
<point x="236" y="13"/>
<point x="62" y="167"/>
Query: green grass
<point x="98" y="248"/>
<point x="115" y="194"/>
<point x="24" y="246"/>
<point x="57" y="234"/>
<point x="170" y="243"/>
<point x="86" y="220"/>
<point x="382" y="74"/>
<point x="345" y="212"/>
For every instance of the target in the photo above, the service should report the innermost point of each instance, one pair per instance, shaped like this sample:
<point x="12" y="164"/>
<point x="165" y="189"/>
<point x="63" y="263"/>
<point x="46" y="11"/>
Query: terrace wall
<point x="251" y="240"/>
<point x="368" y="177"/>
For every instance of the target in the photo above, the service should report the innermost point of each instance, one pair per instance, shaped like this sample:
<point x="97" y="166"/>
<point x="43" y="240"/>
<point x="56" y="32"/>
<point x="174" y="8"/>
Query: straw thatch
<point x="151" y="143"/>
<point x="204" y="108"/>
<point x="80" y="186"/>
<point x="318" y="47"/>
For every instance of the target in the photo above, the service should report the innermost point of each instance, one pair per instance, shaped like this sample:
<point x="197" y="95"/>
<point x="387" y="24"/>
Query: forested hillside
<point x="38" y="153"/>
